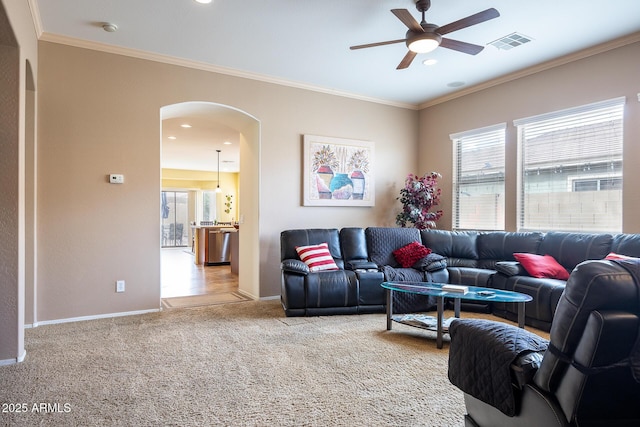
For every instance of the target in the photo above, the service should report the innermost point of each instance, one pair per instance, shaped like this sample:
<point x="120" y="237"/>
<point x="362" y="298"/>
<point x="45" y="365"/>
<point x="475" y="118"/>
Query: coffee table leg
<point x="389" y="308"/>
<point x="456" y="307"/>
<point x="521" y="315"/>
<point x="440" y="319"/>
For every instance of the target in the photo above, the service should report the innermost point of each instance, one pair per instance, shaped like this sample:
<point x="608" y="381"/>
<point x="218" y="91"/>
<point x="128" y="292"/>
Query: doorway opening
<point x="237" y="134"/>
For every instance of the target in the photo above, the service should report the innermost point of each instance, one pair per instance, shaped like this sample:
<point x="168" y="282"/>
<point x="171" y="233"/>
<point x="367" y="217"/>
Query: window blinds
<point x="571" y="169"/>
<point x="478" y="178"/>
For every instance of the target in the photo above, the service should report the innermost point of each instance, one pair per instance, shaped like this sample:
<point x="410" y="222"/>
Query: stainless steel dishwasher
<point x="219" y="247"/>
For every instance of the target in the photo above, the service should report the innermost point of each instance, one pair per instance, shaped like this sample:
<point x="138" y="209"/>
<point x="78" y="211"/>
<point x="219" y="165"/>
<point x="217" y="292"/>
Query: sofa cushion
<point x="382" y="241"/>
<point x="470" y="276"/>
<point x="317" y="257"/>
<point x="459" y="247"/>
<point x="542" y="266"/>
<point x="500" y="245"/>
<point x="453" y="244"/>
<point x="626" y="244"/>
<point x="409" y="254"/>
<point x="289" y="239"/>
<point x="570" y="249"/>
<point x="545" y="292"/>
<point x="331" y="289"/>
<point x="432" y="262"/>
<point x="353" y="244"/>
<point x="393" y="274"/>
<point x="510" y="268"/>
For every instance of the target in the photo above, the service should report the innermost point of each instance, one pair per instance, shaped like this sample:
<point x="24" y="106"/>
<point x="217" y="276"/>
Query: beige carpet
<point x="240" y="364"/>
<point x="200" y="300"/>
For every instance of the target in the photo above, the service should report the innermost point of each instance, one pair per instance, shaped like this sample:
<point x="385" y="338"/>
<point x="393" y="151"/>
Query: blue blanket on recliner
<point x="480" y="358"/>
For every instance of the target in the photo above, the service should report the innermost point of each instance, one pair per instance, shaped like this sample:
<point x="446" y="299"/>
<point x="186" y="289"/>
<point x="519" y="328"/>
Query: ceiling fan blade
<point x="406" y="61"/>
<point x="477" y="18"/>
<point x="407" y="19"/>
<point x="464" y="47"/>
<point x="364" y="46"/>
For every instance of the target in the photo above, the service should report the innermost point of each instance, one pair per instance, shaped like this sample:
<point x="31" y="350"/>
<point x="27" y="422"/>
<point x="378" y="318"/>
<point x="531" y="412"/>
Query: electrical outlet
<point x="119" y="285"/>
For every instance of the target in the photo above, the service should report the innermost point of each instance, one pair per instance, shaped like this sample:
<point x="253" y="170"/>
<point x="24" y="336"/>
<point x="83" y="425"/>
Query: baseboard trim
<point x="247" y="295"/>
<point x="95" y="317"/>
<point x="19" y="359"/>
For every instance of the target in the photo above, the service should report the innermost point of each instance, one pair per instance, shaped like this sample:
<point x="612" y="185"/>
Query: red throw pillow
<point x="317" y="257"/>
<point x="542" y="266"/>
<point x="408" y="255"/>
<point x="615" y="256"/>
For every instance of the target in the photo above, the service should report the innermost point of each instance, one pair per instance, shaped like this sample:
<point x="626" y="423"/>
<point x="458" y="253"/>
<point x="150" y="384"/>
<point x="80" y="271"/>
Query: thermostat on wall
<point x="116" y="178"/>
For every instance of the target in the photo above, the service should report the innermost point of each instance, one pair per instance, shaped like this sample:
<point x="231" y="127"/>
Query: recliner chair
<point x="306" y="293"/>
<point x="587" y="374"/>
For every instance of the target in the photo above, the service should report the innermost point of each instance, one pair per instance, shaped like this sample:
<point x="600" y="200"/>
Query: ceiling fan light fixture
<point x="424" y="43"/>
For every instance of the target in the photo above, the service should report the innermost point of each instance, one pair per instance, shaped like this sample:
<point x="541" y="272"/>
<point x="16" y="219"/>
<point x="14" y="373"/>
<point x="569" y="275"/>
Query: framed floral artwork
<point x="337" y="172"/>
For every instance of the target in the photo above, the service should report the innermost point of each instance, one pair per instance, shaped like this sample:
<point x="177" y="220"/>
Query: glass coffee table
<point x="438" y="324"/>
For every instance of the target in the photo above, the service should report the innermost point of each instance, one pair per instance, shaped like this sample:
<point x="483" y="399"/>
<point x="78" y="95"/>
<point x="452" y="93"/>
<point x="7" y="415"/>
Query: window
<point x="175" y="218"/>
<point x="208" y="206"/>
<point x="571" y="169"/>
<point x="597" y="184"/>
<point x="478" y="178"/>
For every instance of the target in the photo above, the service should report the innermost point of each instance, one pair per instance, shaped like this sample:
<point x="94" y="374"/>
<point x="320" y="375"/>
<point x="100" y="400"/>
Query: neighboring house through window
<point x="571" y="169"/>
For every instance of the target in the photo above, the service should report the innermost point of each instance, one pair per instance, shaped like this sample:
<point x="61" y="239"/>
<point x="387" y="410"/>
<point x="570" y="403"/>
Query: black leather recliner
<point x="589" y="374"/>
<point x="353" y="289"/>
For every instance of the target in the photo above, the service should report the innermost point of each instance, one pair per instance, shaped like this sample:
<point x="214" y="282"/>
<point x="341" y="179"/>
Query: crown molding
<point x="203" y="66"/>
<point x="594" y="50"/>
<point x="35" y="15"/>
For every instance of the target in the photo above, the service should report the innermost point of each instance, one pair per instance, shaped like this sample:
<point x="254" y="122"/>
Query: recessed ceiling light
<point x="430" y="61"/>
<point x="171" y="137"/>
<point x="204" y="1"/>
<point x="109" y="27"/>
<point x="186" y="125"/>
<point x="227" y="143"/>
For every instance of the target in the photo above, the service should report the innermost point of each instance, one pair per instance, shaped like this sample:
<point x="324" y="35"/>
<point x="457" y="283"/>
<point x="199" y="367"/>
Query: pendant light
<point x="218" y="189"/>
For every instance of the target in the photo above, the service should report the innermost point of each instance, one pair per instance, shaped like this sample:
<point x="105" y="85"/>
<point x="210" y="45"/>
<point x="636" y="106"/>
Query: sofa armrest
<point x="360" y="264"/>
<point x="294" y="266"/>
<point x="431" y="262"/>
<point x="481" y="355"/>
<point x="511" y="268"/>
<point x="524" y="367"/>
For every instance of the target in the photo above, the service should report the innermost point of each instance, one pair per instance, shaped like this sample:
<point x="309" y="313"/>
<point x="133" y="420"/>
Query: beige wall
<point x="100" y="114"/>
<point x="603" y="76"/>
<point x="18" y="69"/>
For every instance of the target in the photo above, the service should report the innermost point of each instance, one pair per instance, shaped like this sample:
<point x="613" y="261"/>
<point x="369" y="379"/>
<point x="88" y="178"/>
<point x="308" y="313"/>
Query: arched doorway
<point x="248" y="129"/>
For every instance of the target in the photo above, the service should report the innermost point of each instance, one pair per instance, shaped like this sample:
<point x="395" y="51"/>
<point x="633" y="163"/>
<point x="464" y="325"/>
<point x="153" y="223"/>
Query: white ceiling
<point x="305" y="43"/>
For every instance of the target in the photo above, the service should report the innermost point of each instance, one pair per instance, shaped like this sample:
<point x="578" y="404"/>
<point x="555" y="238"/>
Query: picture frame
<point x="337" y="172"/>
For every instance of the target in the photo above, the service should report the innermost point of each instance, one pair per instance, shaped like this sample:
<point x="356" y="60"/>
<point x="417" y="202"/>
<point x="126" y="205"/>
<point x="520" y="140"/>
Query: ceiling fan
<point x="424" y="37"/>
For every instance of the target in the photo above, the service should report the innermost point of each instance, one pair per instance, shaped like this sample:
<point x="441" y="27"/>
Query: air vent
<point x="511" y="41"/>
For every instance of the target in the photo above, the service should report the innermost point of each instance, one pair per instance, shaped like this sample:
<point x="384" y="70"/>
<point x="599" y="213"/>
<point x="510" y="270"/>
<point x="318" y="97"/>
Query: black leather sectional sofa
<point x="365" y="259"/>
